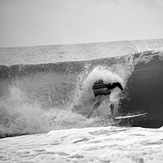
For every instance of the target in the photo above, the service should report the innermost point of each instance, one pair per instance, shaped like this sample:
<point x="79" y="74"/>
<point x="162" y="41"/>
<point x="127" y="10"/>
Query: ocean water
<point x="46" y="95"/>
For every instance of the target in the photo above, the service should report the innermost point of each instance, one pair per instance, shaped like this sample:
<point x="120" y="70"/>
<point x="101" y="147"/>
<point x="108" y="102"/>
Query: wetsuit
<point x="99" y="89"/>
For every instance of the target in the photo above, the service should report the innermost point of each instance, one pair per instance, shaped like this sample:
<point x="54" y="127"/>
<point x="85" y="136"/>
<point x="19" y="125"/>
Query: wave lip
<point x="78" y="52"/>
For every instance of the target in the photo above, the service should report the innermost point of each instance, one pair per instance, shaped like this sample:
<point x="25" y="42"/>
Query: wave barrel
<point x="145" y="93"/>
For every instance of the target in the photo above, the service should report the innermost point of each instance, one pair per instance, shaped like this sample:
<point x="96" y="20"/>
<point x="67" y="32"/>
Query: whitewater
<point x="46" y="95"/>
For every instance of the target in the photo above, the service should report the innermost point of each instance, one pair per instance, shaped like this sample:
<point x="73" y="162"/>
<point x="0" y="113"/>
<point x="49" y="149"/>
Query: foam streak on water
<point x="102" y="144"/>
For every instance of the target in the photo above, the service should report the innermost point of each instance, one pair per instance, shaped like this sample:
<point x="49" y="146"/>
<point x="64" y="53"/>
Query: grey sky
<point x="46" y="22"/>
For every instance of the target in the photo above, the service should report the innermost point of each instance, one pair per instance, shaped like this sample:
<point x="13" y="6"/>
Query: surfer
<point x="99" y="89"/>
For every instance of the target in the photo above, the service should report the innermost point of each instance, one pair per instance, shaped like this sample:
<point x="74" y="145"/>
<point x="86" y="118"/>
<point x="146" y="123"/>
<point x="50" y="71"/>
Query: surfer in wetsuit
<point x="99" y="89"/>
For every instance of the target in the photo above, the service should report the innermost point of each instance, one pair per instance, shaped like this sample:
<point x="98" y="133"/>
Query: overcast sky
<point x="48" y="22"/>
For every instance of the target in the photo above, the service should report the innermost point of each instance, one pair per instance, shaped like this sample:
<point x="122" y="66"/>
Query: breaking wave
<point x="42" y="97"/>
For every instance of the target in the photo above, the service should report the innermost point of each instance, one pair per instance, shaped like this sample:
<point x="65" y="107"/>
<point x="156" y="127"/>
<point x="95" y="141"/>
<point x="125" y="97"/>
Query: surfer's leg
<point x="96" y="105"/>
<point x="112" y="110"/>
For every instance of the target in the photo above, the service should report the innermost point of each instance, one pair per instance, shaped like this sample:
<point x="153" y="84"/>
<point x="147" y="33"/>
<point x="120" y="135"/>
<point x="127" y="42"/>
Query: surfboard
<point x="130" y="116"/>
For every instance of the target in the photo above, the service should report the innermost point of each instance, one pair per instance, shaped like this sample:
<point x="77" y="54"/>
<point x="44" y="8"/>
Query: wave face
<point x="37" y="98"/>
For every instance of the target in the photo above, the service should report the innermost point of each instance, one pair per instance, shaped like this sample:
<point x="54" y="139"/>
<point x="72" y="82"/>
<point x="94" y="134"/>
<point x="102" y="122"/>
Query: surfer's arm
<point x="118" y="85"/>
